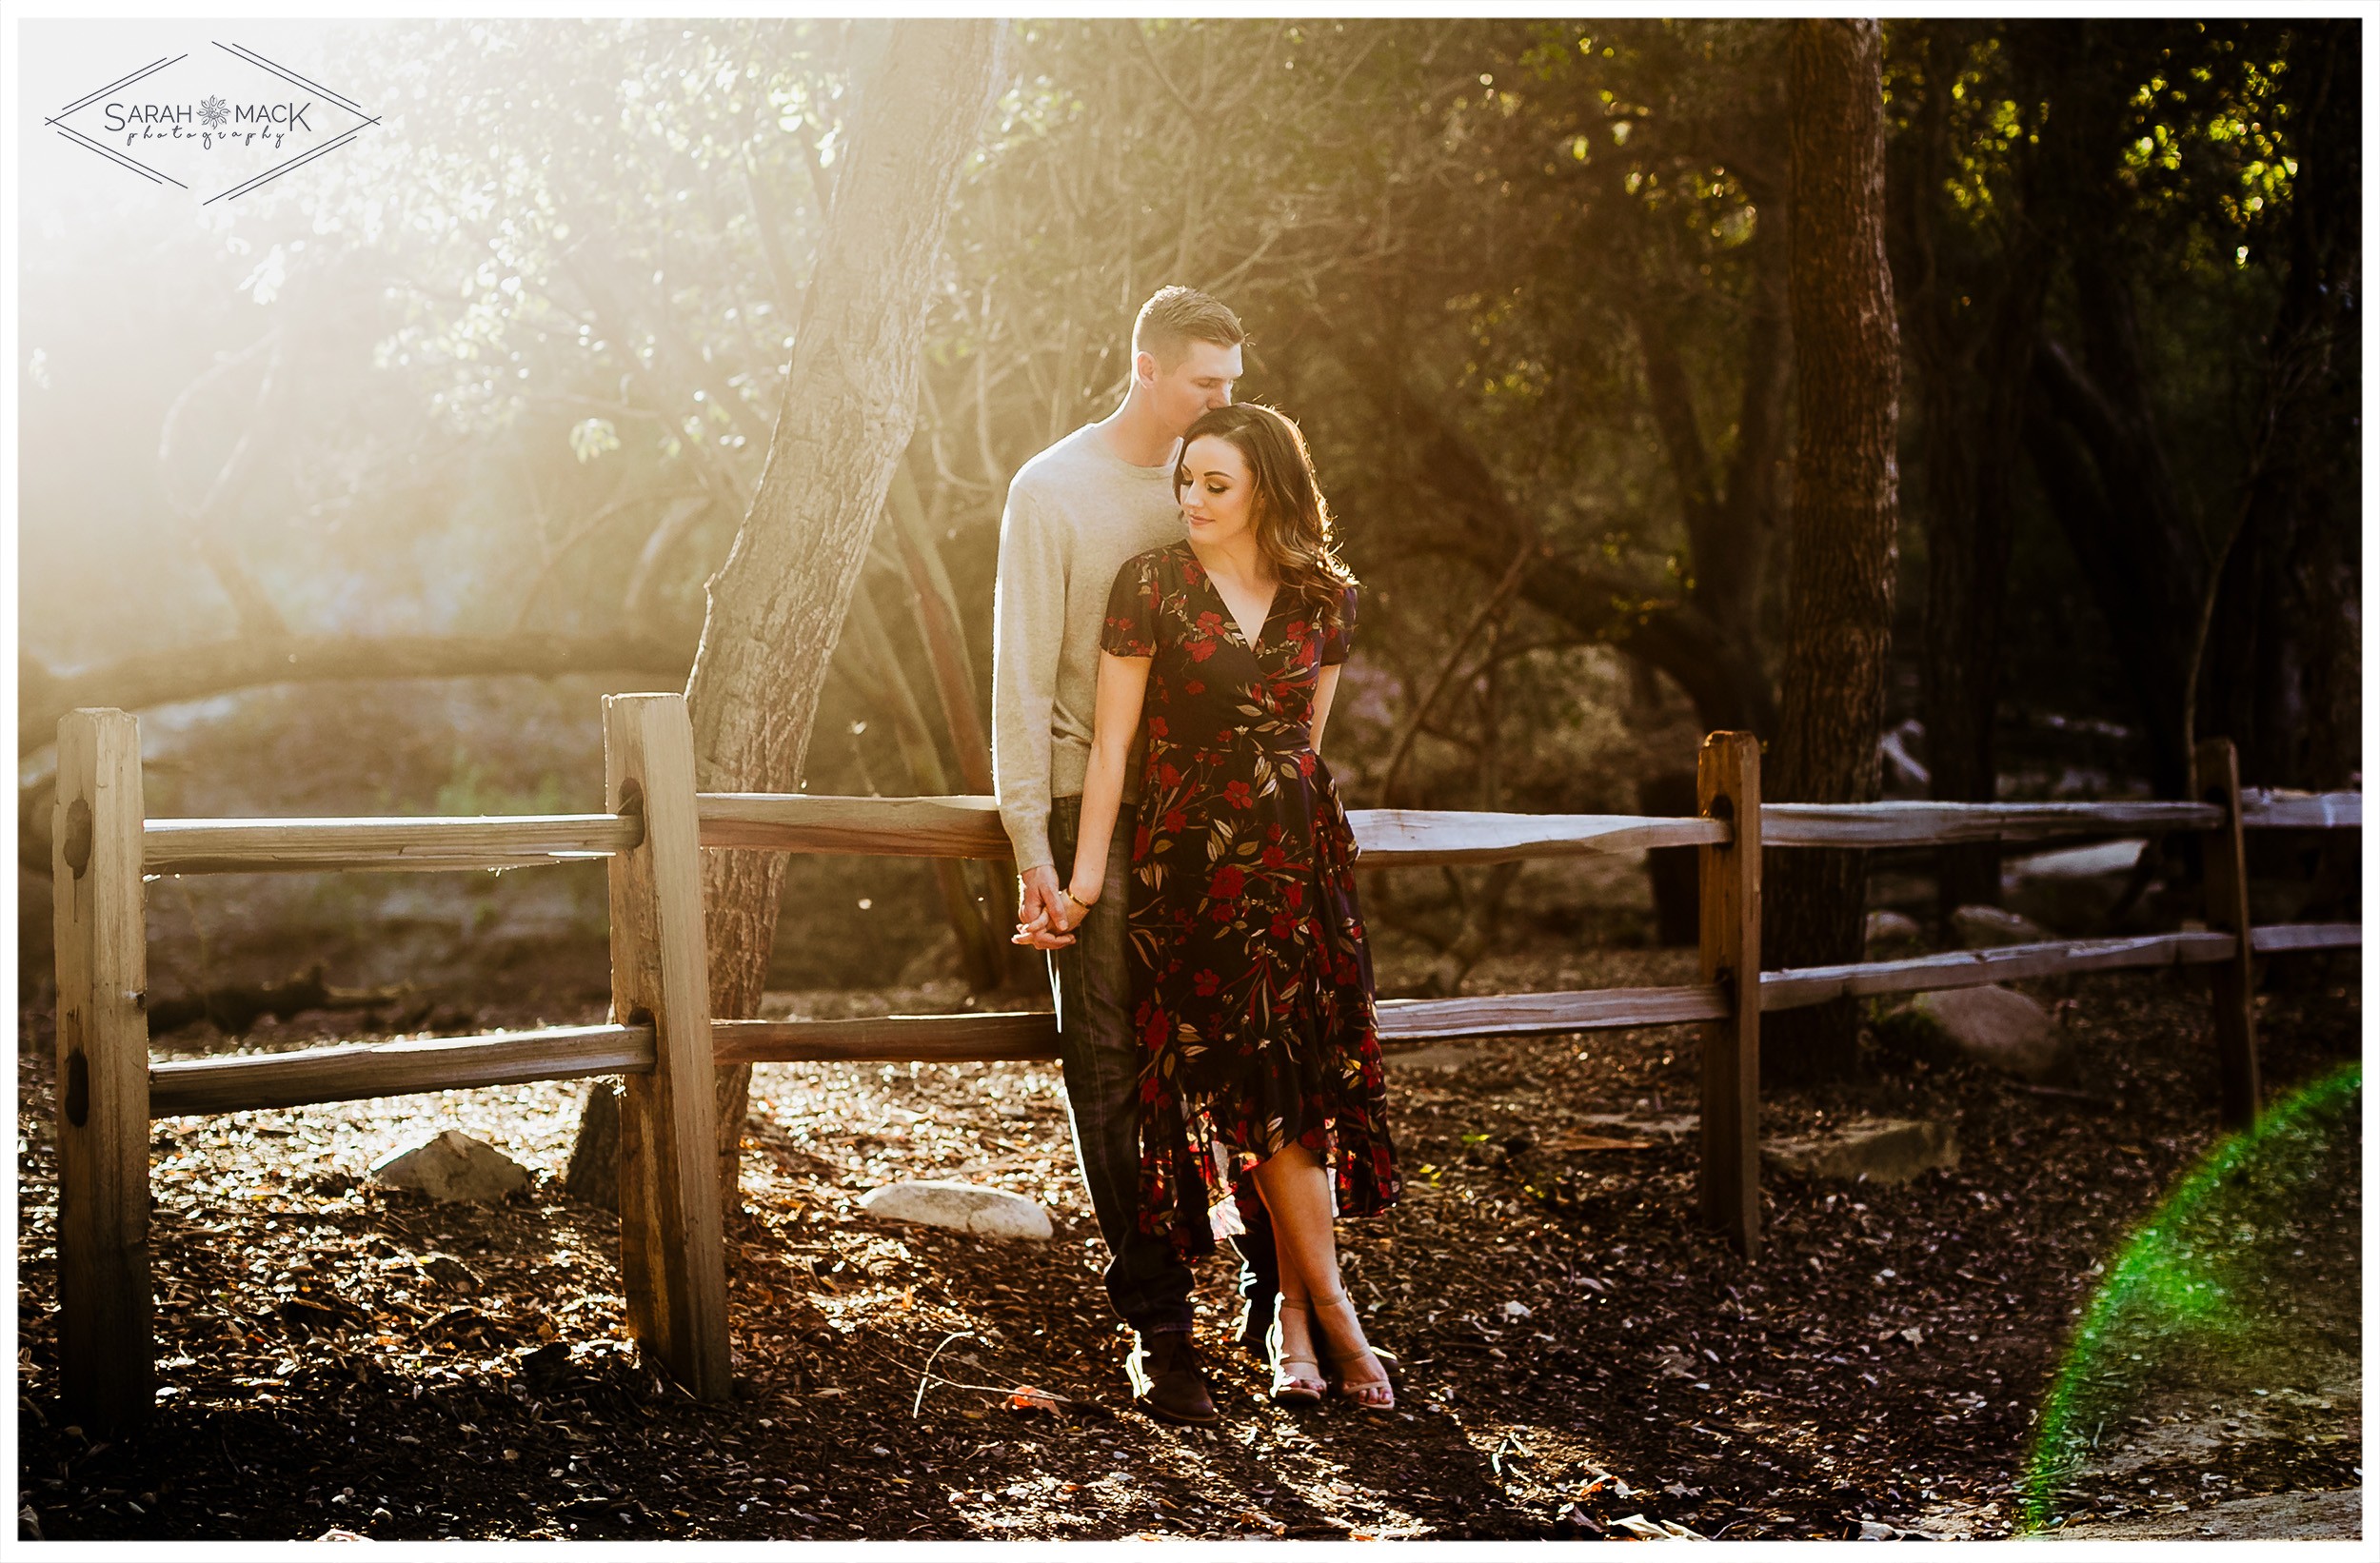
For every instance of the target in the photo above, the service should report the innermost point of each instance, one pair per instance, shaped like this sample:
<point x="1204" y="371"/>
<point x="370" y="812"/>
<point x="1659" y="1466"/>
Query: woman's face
<point x="1219" y="499"/>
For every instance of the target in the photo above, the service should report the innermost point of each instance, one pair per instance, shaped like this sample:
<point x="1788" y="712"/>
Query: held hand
<point x="1069" y="909"/>
<point x="1039" y="911"/>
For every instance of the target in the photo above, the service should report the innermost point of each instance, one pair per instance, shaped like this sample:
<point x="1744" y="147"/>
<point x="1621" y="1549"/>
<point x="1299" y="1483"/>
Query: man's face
<point x="1200" y="382"/>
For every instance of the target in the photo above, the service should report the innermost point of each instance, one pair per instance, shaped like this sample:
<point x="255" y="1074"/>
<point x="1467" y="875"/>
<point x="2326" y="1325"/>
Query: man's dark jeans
<point x="1090" y="980"/>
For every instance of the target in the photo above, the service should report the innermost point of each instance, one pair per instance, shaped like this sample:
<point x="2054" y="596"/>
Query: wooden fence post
<point x="2216" y="765"/>
<point x="107" y="1358"/>
<point x="672" y="1258"/>
<point x="1727" y="784"/>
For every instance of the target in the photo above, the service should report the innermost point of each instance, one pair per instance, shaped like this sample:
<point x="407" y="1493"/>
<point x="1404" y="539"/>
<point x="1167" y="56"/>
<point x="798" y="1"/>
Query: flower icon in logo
<point x="215" y="112"/>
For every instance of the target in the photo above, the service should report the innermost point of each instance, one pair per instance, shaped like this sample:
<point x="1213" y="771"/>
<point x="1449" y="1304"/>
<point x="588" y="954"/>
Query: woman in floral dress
<point x="1252" y="977"/>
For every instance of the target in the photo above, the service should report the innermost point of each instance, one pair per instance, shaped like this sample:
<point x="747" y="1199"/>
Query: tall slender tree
<point x="847" y="410"/>
<point x="1846" y="514"/>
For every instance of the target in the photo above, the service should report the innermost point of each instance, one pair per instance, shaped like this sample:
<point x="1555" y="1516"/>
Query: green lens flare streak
<point x="2187" y="1277"/>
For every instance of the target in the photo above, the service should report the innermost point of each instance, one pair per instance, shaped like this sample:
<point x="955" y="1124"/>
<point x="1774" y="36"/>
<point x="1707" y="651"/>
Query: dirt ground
<point x="1579" y="1358"/>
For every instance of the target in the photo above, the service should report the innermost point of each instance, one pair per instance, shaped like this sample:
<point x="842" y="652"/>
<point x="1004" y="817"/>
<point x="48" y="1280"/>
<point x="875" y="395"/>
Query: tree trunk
<point x="2091" y="431"/>
<point x="1970" y="337"/>
<point x="2280" y="672"/>
<point x="1846" y="515"/>
<point x="849" y="407"/>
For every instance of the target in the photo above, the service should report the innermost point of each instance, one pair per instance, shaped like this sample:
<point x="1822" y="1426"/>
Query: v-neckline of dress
<point x="1207" y="579"/>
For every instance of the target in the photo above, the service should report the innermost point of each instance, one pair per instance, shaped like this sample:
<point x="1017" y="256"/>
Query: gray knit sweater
<point x="1076" y="512"/>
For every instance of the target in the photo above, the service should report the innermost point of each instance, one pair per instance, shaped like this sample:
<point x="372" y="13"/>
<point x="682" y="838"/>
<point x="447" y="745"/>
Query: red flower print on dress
<point x="1252" y="983"/>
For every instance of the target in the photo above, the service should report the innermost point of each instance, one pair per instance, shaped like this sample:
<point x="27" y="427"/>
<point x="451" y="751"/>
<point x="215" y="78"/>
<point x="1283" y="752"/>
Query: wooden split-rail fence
<point x="664" y="1044"/>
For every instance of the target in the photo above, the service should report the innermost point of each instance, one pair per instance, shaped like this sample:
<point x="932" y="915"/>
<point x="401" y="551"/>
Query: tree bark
<point x="849" y="408"/>
<point x="1845" y="517"/>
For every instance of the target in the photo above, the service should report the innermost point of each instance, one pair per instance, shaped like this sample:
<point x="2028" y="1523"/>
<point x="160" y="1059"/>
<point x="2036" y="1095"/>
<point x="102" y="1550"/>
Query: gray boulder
<point x="1879" y="1150"/>
<point x="1995" y="1026"/>
<point x="453" y="1167"/>
<point x="962" y="1207"/>
<point x="1987" y="927"/>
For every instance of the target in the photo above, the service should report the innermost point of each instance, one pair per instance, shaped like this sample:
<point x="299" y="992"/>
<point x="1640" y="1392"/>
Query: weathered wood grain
<point x="1935" y="824"/>
<point x="674" y="1257"/>
<point x="106" y="1361"/>
<point x="358" y="1072"/>
<point x="1728" y="788"/>
<point x="1541" y="1014"/>
<point x="2214" y="768"/>
<point x="958" y="826"/>
<point x="2276" y="938"/>
<point x="1975" y="968"/>
<point x="252" y="847"/>
<point x="1418" y="838"/>
<point x="1031" y="1035"/>
<point x="968" y="826"/>
<point x="2266" y="808"/>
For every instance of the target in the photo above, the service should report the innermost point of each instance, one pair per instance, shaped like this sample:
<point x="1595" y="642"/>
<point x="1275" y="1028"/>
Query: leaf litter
<point x="335" y="1357"/>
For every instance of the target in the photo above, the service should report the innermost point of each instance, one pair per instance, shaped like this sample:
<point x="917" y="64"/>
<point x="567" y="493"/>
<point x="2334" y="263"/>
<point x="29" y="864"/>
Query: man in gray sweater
<point x="1076" y="512"/>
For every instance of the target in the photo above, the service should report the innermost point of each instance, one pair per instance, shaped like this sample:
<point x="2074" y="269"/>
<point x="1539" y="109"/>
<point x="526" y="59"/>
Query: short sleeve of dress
<point x="1342" y="640"/>
<point x="1130" y="629"/>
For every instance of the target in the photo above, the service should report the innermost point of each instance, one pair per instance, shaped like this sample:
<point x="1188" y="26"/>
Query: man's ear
<point x="1144" y="368"/>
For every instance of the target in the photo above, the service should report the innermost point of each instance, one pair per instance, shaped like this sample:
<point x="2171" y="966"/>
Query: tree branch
<point x="160" y="677"/>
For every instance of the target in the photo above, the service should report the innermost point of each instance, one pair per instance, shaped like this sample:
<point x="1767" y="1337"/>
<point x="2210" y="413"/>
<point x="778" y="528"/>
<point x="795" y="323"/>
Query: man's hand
<point x="1041" y="911"/>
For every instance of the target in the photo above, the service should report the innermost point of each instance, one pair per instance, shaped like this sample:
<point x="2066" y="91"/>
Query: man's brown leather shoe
<point x="1167" y="1382"/>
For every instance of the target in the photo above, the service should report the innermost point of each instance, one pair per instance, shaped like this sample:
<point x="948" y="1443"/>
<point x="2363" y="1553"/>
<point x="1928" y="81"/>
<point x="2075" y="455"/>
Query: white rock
<point x="1995" y="1026"/>
<point x="962" y="1207"/>
<point x="1982" y="928"/>
<point x="1515" y="1309"/>
<point x="453" y="1167"/>
<point x="1887" y="930"/>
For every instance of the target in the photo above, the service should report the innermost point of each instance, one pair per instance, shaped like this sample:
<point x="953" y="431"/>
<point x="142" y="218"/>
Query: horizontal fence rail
<point x="968" y="826"/>
<point x="1940" y="825"/>
<point x="365" y="1070"/>
<point x="450" y="1064"/>
<point x="252" y="847"/>
<point x="2263" y="808"/>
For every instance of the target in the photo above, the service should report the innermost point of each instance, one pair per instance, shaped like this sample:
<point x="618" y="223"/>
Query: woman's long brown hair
<point x="1293" y="520"/>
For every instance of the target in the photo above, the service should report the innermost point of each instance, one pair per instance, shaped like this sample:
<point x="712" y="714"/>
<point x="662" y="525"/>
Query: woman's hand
<point x="1060" y="915"/>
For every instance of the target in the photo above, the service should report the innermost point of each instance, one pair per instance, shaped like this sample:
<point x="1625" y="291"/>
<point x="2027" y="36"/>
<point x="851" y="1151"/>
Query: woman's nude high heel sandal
<point x="1366" y="1393"/>
<point x="1289" y="1387"/>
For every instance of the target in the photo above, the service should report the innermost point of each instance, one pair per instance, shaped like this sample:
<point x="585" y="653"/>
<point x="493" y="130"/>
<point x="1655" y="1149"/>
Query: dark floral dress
<point x="1252" y="979"/>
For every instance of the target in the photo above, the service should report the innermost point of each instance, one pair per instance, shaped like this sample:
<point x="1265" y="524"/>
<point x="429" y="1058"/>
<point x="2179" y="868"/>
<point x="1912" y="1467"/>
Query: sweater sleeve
<point x="1028" y="627"/>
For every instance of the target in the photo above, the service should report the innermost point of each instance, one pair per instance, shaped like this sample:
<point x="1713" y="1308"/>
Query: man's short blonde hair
<point x="1177" y="316"/>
